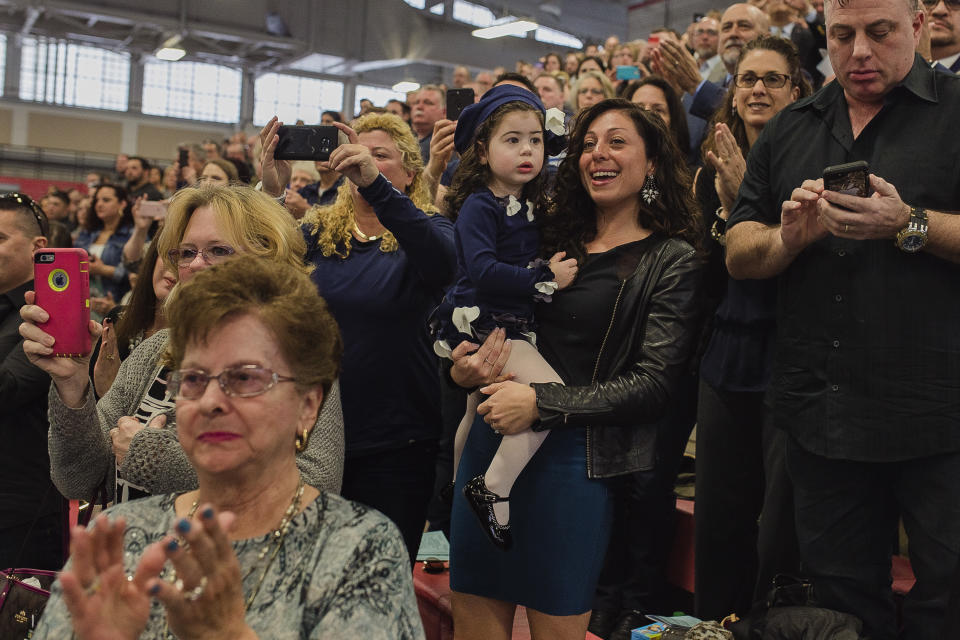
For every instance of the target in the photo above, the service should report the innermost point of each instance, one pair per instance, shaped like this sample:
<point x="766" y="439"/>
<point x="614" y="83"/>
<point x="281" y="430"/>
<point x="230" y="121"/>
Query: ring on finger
<point x="846" y="228"/>
<point x="194" y="594"/>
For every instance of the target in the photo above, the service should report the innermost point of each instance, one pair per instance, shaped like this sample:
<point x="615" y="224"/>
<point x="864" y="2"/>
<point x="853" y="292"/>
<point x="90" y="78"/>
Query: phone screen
<point x="153" y="209"/>
<point x="628" y="72"/>
<point x="457" y="101"/>
<point x="850" y="178"/>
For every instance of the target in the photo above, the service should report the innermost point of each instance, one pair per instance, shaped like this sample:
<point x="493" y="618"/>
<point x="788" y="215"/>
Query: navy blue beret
<point x="476" y="114"/>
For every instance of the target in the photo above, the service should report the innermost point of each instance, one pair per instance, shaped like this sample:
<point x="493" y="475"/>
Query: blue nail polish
<point x="207" y="513"/>
<point x="155" y="589"/>
<point x="173" y="545"/>
<point x="183" y="526"/>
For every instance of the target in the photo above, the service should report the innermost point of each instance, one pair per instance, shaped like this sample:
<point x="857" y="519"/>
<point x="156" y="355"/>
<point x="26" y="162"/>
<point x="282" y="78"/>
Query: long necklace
<point x="275" y="540"/>
<point x="362" y="235"/>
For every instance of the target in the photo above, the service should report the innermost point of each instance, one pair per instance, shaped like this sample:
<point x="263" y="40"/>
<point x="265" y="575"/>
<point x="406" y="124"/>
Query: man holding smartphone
<point x="31" y="509"/>
<point x="866" y="381"/>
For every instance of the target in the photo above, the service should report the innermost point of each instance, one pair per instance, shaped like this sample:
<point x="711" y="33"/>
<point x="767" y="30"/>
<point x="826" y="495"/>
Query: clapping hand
<point x="729" y="164"/>
<point x="207" y="600"/>
<point x="104" y="603"/>
<point x="672" y="61"/>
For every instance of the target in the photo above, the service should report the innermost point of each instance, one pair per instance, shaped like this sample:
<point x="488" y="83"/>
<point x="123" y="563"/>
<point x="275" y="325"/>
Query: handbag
<point x="21" y="604"/>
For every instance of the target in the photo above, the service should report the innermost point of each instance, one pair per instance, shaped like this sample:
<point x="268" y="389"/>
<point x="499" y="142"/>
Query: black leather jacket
<point x="648" y="345"/>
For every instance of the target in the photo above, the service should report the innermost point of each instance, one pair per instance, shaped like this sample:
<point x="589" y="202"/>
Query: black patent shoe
<point x="481" y="501"/>
<point x="602" y="622"/>
<point x="628" y="621"/>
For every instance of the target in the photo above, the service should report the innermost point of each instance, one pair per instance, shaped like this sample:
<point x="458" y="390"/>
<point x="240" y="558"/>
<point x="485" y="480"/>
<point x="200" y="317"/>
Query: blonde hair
<point x="608" y="90"/>
<point x="333" y="224"/>
<point x="252" y="221"/>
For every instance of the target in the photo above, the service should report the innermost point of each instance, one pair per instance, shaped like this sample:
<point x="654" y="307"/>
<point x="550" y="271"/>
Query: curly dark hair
<point x="474" y="175"/>
<point x="678" y="116"/>
<point x="728" y="115"/>
<point x="571" y="221"/>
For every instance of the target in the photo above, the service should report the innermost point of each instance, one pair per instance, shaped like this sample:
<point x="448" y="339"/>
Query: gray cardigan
<point x="81" y="453"/>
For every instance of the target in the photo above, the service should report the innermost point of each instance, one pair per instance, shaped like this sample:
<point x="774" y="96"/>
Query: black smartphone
<point x="184" y="157"/>
<point x="457" y="101"/>
<point x="849" y="178"/>
<point x="306" y="142"/>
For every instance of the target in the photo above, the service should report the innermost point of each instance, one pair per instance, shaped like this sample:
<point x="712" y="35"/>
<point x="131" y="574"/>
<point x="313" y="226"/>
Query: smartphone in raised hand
<point x="61" y="279"/>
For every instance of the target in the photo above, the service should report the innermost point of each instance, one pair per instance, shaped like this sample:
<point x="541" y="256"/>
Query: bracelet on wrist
<point x="719" y="229"/>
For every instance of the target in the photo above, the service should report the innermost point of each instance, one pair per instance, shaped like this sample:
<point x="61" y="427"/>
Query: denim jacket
<point x="112" y="255"/>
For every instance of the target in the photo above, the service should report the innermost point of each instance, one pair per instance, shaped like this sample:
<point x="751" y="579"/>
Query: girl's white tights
<point x="515" y="451"/>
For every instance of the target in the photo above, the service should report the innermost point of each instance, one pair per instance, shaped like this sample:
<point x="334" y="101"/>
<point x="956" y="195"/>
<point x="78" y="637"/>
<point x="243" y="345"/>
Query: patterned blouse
<point x="343" y="572"/>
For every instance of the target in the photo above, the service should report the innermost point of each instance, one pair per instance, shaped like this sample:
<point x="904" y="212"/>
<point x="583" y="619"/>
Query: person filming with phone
<point x="865" y="381"/>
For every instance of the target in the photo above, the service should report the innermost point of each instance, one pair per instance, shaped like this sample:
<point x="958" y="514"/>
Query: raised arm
<point x="426" y="240"/>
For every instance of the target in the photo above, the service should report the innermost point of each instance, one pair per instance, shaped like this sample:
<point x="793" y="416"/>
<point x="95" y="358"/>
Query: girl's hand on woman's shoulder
<point x="564" y="269"/>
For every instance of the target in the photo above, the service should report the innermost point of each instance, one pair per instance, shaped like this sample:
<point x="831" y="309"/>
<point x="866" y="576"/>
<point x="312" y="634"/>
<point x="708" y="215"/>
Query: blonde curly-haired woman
<point x="382" y="258"/>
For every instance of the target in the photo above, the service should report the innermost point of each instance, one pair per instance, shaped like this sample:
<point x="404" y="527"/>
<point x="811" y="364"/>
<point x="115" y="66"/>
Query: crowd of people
<point x="506" y="327"/>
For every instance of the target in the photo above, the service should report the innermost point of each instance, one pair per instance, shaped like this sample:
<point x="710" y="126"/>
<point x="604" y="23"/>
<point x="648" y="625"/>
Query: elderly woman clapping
<point x="255" y="551"/>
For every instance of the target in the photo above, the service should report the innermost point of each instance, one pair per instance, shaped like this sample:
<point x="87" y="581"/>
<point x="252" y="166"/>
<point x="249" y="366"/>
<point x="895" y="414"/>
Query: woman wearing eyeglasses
<point x="129" y="434"/>
<point x="732" y="437"/>
<point x="256" y="551"/>
<point x="590" y="88"/>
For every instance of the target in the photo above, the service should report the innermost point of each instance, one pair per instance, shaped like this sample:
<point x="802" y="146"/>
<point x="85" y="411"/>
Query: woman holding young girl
<point x="619" y="337"/>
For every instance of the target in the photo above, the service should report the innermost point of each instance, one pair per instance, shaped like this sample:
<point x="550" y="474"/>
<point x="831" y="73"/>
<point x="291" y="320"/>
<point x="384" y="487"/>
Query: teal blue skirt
<point x="559" y="518"/>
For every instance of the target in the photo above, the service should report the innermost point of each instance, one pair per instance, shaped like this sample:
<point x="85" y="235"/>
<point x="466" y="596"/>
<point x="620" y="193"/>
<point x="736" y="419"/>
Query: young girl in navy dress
<point x="495" y="193"/>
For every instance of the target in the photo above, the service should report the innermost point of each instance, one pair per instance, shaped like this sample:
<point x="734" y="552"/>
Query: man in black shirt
<point x="31" y="518"/>
<point x="137" y="173"/>
<point x="867" y="377"/>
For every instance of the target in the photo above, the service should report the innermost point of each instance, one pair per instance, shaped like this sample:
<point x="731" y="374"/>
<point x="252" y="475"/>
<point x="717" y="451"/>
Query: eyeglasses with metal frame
<point x="211" y="255"/>
<point x="244" y="381"/>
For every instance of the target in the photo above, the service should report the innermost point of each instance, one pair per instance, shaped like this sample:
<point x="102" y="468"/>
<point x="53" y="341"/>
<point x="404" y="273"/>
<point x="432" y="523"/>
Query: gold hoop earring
<point x="300" y="442"/>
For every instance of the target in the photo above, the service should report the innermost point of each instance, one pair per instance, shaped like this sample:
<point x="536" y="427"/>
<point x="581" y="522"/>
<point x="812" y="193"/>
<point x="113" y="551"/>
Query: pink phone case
<point x="61" y="278"/>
